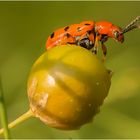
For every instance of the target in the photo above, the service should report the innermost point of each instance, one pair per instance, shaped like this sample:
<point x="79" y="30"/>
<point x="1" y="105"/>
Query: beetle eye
<point x="116" y="34"/>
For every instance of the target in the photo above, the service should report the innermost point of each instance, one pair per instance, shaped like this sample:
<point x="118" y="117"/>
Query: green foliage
<point x="3" y="113"/>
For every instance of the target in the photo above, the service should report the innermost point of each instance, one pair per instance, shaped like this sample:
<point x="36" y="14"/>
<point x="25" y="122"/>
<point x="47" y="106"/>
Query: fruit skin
<point x="66" y="86"/>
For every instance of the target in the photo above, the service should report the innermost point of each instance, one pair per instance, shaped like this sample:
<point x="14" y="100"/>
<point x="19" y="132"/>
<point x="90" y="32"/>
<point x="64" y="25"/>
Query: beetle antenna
<point x="132" y="25"/>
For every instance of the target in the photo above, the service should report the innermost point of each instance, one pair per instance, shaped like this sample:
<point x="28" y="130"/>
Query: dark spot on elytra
<point x="66" y="28"/>
<point x="67" y="35"/>
<point x="78" y="29"/>
<point x="89" y="32"/>
<point x="87" y="24"/>
<point x="52" y="35"/>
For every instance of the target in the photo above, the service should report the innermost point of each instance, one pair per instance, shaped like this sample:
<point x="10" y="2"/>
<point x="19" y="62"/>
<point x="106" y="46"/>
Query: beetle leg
<point x="95" y="48"/>
<point x="104" y="49"/>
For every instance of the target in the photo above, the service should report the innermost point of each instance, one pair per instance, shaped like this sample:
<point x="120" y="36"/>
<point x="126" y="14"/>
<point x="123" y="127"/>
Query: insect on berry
<point x="88" y="34"/>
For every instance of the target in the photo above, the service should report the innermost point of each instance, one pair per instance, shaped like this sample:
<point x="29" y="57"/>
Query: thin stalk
<point x="3" y="113"/>
<point x="19" y="120"/>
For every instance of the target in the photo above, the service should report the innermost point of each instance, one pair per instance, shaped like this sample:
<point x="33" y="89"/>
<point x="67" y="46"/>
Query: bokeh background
<point x="24" y="28"/>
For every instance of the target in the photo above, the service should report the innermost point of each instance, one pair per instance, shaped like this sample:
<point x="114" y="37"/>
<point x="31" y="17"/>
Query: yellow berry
<point x="66" y="86"/>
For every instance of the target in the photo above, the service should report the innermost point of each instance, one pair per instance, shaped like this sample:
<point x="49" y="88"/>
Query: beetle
<point x="88" y="34"/>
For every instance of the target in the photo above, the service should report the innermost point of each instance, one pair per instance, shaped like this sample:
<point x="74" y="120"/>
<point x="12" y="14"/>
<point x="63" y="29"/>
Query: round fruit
<point x="66" y="86"/>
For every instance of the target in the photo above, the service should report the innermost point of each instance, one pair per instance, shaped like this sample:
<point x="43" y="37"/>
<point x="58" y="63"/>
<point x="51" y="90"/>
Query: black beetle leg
<point x="96" y="45"/>
<point x="104" y="49"/>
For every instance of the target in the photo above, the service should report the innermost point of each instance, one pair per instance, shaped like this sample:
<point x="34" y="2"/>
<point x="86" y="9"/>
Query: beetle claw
<point x="104" y="49"/>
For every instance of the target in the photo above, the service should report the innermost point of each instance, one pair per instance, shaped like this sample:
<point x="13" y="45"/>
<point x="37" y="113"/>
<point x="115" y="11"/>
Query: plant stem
<point x="22" y="118"/>
<point x="3" y="114"/>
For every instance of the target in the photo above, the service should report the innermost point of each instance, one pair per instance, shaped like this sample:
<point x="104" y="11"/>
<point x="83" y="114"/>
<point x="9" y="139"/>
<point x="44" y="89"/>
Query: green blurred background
<point x="24" y="28"/>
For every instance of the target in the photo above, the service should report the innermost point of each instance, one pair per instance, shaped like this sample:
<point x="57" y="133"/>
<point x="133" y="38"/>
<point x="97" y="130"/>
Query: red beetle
<point x="87" y="34"/>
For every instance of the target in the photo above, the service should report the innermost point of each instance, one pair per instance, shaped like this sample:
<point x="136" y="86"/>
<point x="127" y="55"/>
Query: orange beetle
<point x="87" y="34"/>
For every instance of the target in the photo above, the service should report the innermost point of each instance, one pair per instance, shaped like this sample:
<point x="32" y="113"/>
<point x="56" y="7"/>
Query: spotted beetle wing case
<point x="79" y="34"/>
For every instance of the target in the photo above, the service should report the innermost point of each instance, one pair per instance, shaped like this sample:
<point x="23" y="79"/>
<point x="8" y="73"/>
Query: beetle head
<point x="107" y="29"/>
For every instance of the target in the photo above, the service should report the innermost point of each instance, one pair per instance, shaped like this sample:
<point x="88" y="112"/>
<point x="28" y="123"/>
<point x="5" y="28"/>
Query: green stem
<point x="22" y="118"/>
<point x="3" y="114"/>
